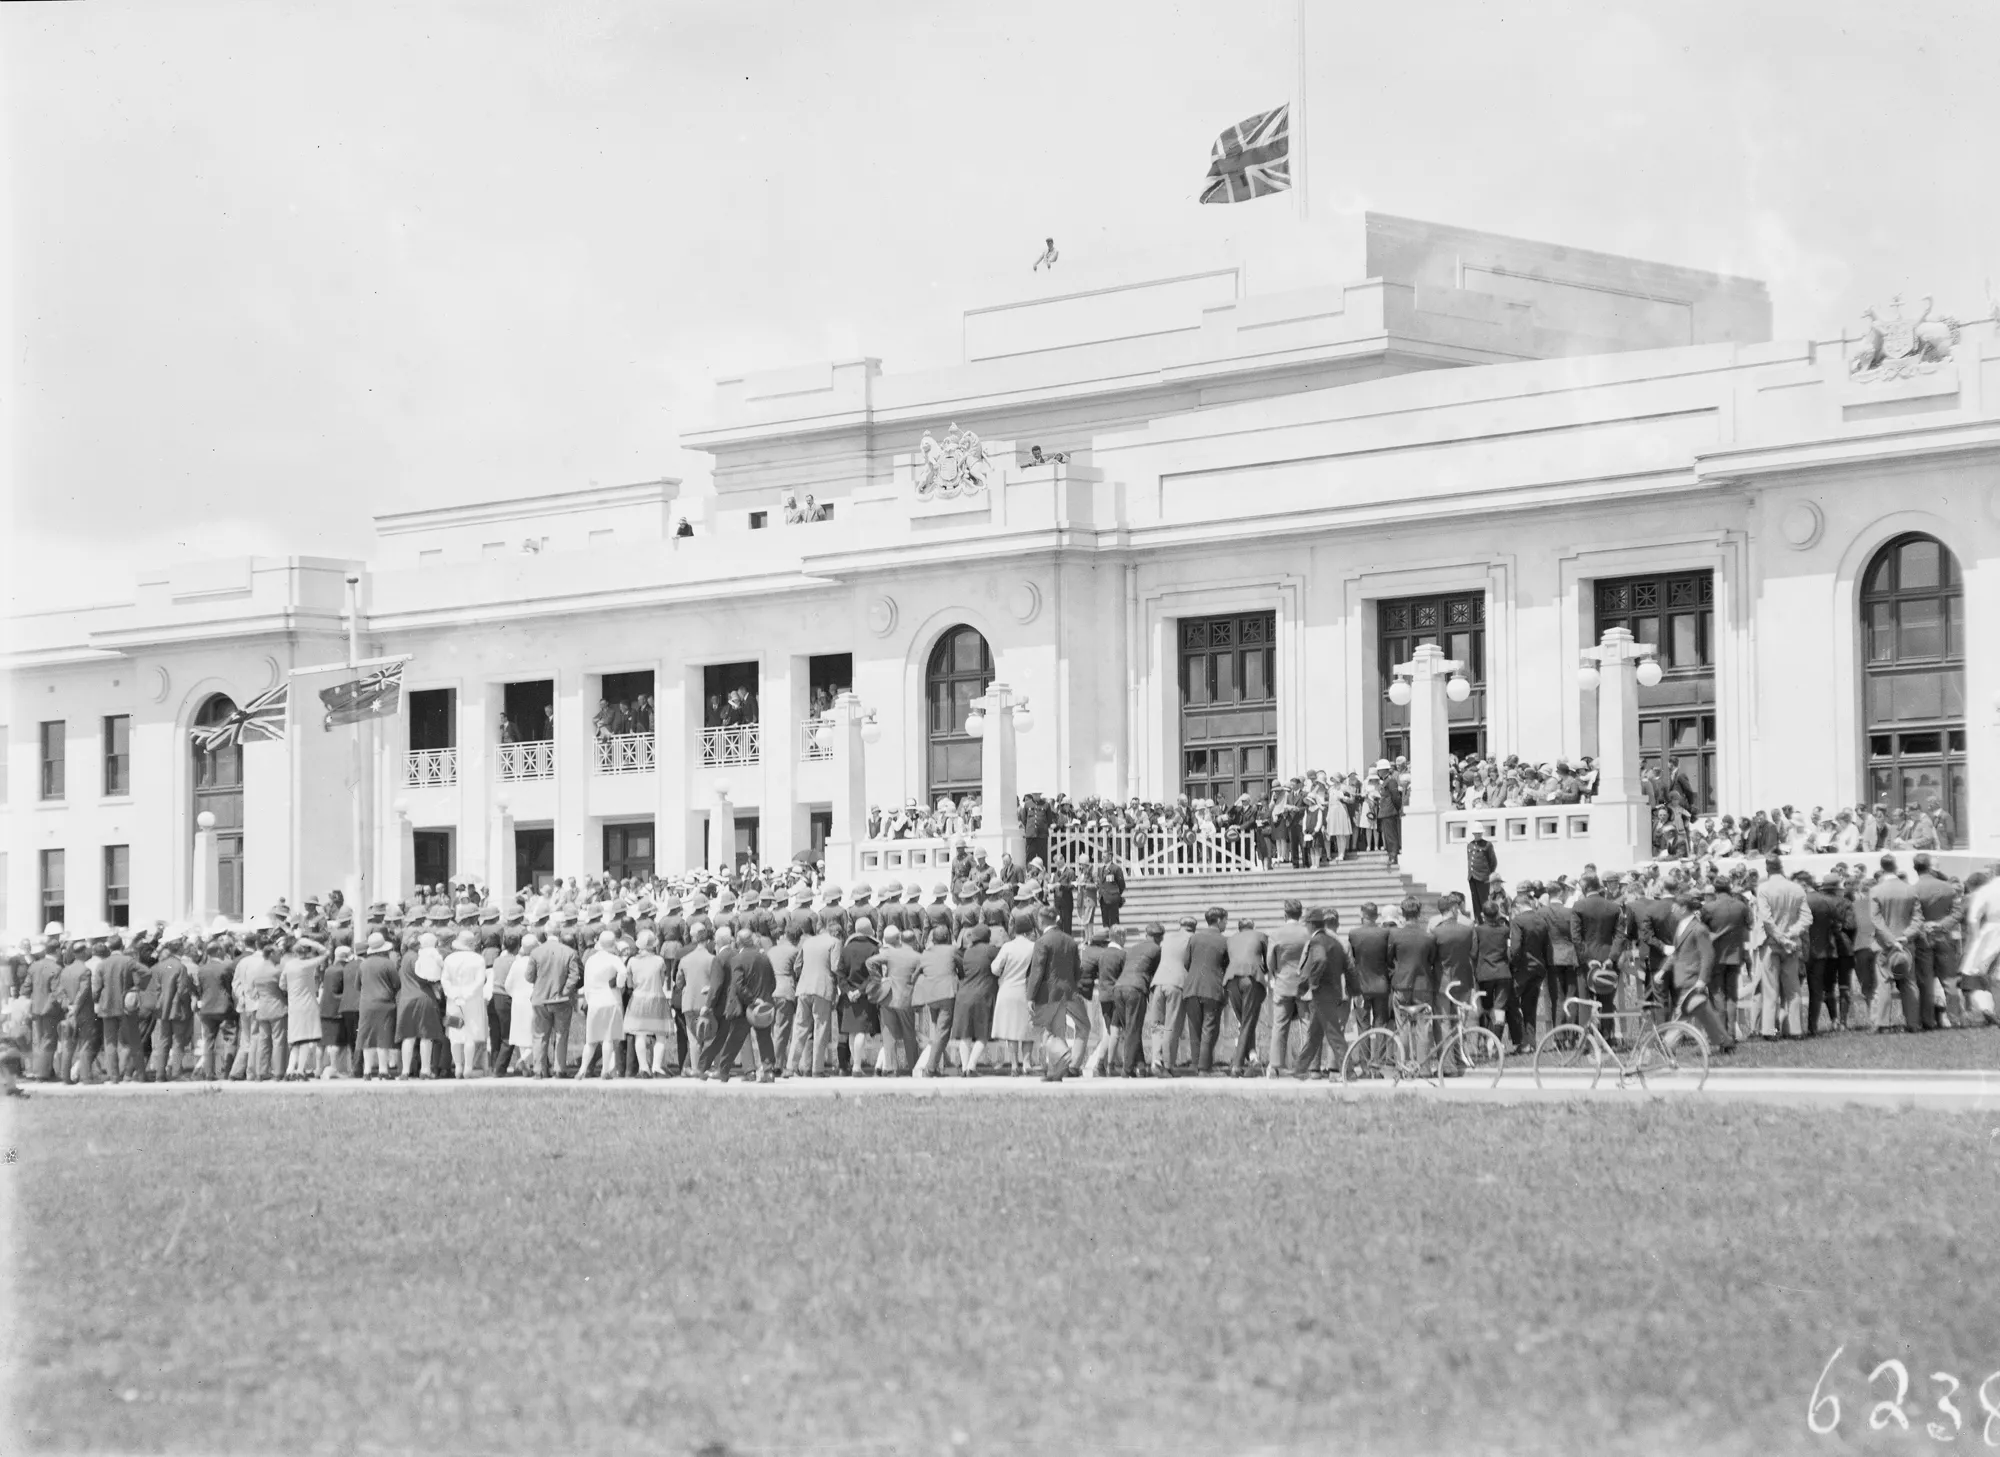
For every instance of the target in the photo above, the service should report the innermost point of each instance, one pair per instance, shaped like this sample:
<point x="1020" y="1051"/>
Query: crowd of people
<point x="992" y="971"/>
<point x="632" y="715"/>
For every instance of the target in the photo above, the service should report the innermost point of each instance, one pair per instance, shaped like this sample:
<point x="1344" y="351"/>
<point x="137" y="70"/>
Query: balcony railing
<point x="431" y="768"/>
<point x="815" y="740"/>
<point x="625" y="754"/>
<point x="535" y="759"/>
<point x="736" y="744"/>
<point x="1157" y="852"/>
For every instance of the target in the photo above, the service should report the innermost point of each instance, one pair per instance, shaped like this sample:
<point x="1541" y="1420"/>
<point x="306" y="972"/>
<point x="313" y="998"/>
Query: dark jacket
<point x="1326" y="970"/>
<point x="1369" y="945"/>
<point x="1053" y="969"/>
<point x="1480" y="859"/>
<point x="1491" y="961"/>
<point x="1413" y="962"/>
<point x="1208" y="963"/>
<point x="1728" y="922"/>
<point x="1600" y="929"/>
<point x="1457" y="953"/>
<point x="1528" y="950"/>
<point x="1142" y="959"/>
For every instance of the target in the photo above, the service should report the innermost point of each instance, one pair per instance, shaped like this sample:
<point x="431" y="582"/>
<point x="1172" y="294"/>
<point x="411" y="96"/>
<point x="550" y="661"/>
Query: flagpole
<point x="1300" y="160"/>
<point x="358" y="836"/>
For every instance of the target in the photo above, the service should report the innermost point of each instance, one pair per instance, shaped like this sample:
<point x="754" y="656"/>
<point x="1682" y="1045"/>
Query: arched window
<point x="218" y="789"/>
<point x="961" y="667"/>
<point x="1913" y="700"/>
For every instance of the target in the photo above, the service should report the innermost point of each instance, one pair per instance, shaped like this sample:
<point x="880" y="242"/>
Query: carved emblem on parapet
<point x="1893" y="347"/>
<point x="953" y="467"/>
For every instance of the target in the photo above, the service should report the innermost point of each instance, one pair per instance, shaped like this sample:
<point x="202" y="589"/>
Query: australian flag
<point x="377" y="695"/>
<point x="1252" y="158"/>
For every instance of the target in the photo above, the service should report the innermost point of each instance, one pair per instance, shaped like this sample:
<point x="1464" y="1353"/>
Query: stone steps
<point x="1261" y="894"/>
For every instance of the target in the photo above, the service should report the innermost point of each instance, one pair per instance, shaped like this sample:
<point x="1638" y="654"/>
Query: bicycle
<point x="1384" y="1053"/>
<point x="1662" y="1050"/>
<point x="1473" y="1046"/>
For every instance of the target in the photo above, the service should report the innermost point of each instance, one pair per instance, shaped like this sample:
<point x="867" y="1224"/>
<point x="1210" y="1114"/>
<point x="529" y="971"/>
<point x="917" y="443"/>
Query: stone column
<point x="207" y="871"/>
<point x="500" y="854"/>
<point x="850" y="788"/>
<point x="999" y="784"/>
<point x="1621" y="827"/>
<point x="399" y="873"/>
<point x="722" y="832"/>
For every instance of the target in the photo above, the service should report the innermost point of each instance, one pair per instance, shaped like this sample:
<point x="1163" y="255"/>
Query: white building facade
<point x="1217" y="513"/>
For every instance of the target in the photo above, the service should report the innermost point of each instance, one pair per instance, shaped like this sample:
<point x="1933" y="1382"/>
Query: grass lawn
<point x="567" y="1270"/>
<point x="1948" y="1048"/>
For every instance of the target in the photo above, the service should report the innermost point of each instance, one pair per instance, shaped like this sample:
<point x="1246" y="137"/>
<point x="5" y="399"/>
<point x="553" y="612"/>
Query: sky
<point x="272" y="269"/>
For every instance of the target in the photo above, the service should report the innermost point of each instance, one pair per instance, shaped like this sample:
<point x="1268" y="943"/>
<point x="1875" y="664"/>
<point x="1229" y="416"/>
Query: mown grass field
<point x="569" y="1270"/>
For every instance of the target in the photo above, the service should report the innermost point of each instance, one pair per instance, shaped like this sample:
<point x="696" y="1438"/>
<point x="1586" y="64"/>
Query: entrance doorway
<point x="432" y="854"/>
<point x="746" y="842"/>
<point x="1675" y="613"/>
<point x="1913" y="635"/>
<point x="1229" y="706"/>
<point x="534" y="857"/>
<point x="1454" y="622"/>
<point x="628" y="851"/>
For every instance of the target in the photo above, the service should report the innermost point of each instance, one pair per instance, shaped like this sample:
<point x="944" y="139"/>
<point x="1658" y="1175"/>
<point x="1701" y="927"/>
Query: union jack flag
<point x="1252" y="158"/>
<point x="377" y="695"/>
<point x="263" y="717"/>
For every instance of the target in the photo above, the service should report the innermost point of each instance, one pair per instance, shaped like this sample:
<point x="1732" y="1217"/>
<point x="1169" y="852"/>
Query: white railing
<point x="535" y="759"/>
<point x="931" y="858"/>
<point x="1218" y="851"/>
<point x="738" y="744"/>
<point x="815" y="739"/>
<point x="625" y="754"/>
<point x="1530" y="824"/>
<point x="431" y="768"/>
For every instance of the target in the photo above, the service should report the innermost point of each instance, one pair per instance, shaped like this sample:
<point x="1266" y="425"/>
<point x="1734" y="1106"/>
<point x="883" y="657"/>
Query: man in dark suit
<point x="1602" y="936"/>
<point x="1134" y="990"/>
<point x="1937" y="950"/>
<point x="1832" y="918"/>
<point x="1201" y="1002"/>
<point x="112" y="983"/>
<point x="1368" y="946"/>
<point x="1528" y="955"/>
<point x="1326" y="977"/>
<point x="1052" y="998"/>
<point x="1389" y="813"/>
<point x="1413" y="964"/>
<point x="1690" y="968"/>
<point x="1110" y="891"/>
<point x="1248" y="966"/>
<point x="1727" y="917"/>
<point x="45" y="1012"/>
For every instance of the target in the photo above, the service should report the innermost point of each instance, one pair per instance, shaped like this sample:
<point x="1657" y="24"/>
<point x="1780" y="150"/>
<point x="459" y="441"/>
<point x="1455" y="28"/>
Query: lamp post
<point x="1620" y="818"/>
<point x="851" y="726"/>
<point x="1000" y="714"/>
<point x="207" y="869"/>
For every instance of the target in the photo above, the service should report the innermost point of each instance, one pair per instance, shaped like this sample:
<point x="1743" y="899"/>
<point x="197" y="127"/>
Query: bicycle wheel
<point x="1568" y="1049"/>
<point x="1677" y="1057"/>
<point x="1374" y="1054"/>
<point x="1479" y="1052"/>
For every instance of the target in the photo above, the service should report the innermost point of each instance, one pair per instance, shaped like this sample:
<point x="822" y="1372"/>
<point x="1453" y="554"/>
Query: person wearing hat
<point x="45" y="1012"/>
<point x="557" y="975"/>
<point x="604" y="979"/>
<point x="1389" y="812"/>
<point x="336" y="1047"/>
<point x="694" y="978"/>
<point x="419" y="1023"/>
<point x="462" y="981"/>
<point x="299" y="970"/>
<point x="1326" y="978"/>
<point x="79" y="1037"/>
<point x="112" y="983"/>
<point x="380" y="986"/>
<point x="1058" y="1012"/>
<point x="173" y="991"/>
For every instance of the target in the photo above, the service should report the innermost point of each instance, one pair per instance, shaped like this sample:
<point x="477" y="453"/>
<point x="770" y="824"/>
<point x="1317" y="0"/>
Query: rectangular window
<point x="759" y="520"/>
<point x="52" y="885"/>
<point x="118" y="885"/>
<point x="1923" y="629"/>
<point x="118" y="754"/>
<point x="55" y="739"/>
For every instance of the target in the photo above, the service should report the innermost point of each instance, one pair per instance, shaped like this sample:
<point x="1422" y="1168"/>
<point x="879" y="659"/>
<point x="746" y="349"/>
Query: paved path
<point x="1969" y="1090"/>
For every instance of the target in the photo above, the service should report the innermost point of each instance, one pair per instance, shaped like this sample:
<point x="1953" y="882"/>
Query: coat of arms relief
<point x="953" y="467"/>
<point x="1893" y="347"/>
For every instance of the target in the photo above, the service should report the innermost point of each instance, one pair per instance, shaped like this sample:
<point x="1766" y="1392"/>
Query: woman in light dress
<point x="1339" y="827"/>
<point x="521" y="1014"/>
<point x="300" y="972"/>
<point x="603" y="1008"/>
<point x="649" y="1016"/>
<point x="464" y="982"/>
<point x="1013" y="1021"/>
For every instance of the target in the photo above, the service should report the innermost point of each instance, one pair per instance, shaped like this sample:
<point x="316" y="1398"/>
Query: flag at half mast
<point x="1252" y="159"/>
<point x="377" y="695"/>
<point x="263" y="717"/>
